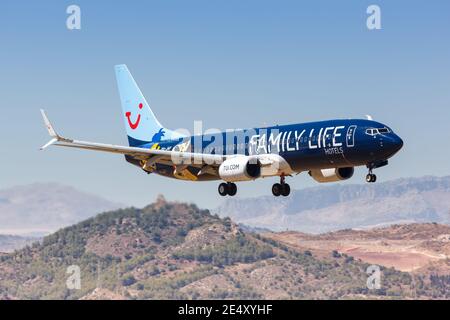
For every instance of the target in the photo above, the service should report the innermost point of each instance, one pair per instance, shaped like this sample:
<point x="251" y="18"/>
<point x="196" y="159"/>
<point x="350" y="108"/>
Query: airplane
<point x="328" y="150"/>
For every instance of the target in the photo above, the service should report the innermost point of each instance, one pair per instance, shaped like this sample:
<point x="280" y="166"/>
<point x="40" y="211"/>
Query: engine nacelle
<point x="240" y="169"/>
<point x="332" y="175"/>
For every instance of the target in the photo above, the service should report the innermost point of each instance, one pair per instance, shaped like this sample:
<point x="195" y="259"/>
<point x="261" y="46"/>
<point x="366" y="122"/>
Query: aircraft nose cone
<point x="399" y="143"/>
<point x="394" y="144"/>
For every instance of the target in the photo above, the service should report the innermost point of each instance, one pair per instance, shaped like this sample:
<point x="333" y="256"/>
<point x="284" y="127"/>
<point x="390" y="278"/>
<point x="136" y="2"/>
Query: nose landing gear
<point x="371" y="177"/>
<point x="374" y="165"/>
<point x="281" y="189"/>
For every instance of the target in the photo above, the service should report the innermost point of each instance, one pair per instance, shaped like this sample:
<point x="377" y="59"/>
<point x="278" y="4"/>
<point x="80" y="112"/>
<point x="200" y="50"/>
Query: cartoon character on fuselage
<point x="327" y="150"/>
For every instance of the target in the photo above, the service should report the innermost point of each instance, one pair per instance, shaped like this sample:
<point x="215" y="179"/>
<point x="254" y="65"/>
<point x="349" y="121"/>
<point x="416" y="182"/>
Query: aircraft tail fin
<point x="141" y="124"/>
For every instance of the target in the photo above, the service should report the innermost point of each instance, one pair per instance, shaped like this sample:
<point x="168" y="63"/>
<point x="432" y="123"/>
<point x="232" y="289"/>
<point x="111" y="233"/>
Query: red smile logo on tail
<point x="135" y="124"/>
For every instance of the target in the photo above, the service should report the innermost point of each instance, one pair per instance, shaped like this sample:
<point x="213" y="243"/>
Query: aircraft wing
<point x="139" y="153"/>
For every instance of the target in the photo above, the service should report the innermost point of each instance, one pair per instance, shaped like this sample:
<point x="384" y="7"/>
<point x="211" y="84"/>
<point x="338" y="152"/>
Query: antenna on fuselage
<point x="369" y="117"/>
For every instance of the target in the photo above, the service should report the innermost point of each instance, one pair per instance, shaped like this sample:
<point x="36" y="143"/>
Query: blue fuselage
<point x="305" y="146"/>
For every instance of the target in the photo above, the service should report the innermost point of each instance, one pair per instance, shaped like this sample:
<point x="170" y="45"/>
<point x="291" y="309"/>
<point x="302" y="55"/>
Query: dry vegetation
<point x="175" y="250"/>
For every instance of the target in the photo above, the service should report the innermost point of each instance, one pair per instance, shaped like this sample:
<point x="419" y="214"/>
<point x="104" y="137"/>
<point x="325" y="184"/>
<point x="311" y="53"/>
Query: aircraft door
<point x="350" y="138"/>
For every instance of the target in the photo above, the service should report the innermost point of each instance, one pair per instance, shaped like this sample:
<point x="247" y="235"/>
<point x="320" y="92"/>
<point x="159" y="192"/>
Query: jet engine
<point x="332" y="175"/>
<point x="240" y="168"/>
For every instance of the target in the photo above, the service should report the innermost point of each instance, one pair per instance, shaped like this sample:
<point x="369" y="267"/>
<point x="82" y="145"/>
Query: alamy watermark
<point x="374" y="280"/>
<point x="73" y="21"/>
<point x="373" y="21"/>
<point x="73" y="282"/>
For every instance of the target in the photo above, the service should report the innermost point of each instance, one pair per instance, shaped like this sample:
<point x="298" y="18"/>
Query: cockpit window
<point x="375" y="131"/>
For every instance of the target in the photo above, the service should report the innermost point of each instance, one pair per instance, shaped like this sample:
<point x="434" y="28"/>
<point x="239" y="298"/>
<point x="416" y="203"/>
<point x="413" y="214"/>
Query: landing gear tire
<point x="232" y="189"/>
<point x="277" y="189"/>
<point x="227" y="189"/>
<point x="223" y="189"/>
<point x="371" y="177"/>
<point x="282" y="188"/>
<point x="286" y="190"/>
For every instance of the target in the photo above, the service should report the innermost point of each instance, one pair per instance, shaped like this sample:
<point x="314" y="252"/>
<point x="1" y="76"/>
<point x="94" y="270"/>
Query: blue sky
<point x="227" y="63"/>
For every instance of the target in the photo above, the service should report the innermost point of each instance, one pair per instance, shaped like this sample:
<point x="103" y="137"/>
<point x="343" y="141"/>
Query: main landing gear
<point x="281" y="189"/>
<point x="228" y="188"/>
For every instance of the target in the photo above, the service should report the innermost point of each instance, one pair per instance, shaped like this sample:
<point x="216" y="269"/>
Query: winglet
<point x="51" y="132"/>
<point x="48" y="125"/>
<point x="48" y="143"/>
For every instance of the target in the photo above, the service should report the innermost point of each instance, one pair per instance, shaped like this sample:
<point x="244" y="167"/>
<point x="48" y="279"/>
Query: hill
<point x="171" y="250"/>
<point x="41" y="208"/>
<point x="9" y="243"/>
<point x="410" y="247"/>
<point x="334" y="207"/>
